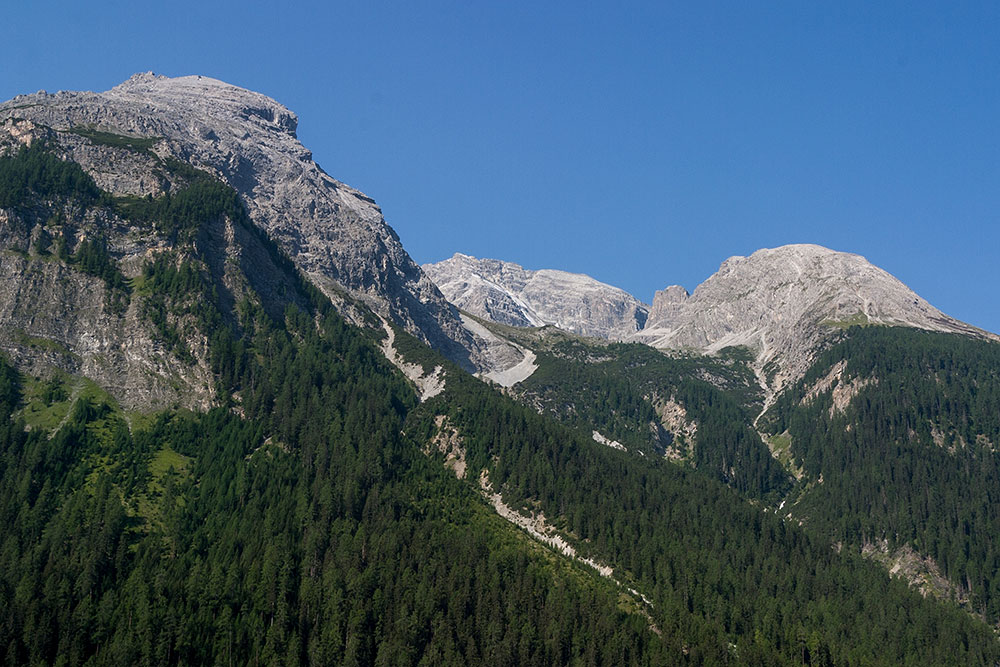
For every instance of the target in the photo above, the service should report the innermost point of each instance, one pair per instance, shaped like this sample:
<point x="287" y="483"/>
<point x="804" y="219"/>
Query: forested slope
<point x="897" y="431"/>
<point x="716" y="568"/>
<point x="298" y="520"/>
<point x="293" y="523"/>
<point x="622" y="391"/>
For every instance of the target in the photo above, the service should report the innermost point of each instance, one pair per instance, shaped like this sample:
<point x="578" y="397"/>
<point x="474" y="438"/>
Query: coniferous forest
<point x="301" y="520"/>
<point x="912" y="458"/>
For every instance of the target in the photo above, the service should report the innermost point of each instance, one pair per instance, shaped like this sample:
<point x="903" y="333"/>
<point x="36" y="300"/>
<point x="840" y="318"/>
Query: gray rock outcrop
<point x="782" y="303"/>
<point x="335" y="234"/>
<point x="667" y="303"/>
<point x="57" y="318"/>
<point x="510" y="294"/>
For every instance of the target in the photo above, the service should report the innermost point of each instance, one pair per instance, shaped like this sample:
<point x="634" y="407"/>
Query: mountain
<point x="507" y="293"/>
<point x="784" y="303"/>
<point x="882" y="440"/>
<point x="211" y="454"/>
<point x="892" y="435"/>
<point x="203" y="462"/>
<point x="334" y="233"/>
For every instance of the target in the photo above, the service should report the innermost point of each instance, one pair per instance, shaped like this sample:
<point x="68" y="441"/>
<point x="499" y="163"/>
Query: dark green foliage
<point x="595" y="396"/>
<point x="311" y="531"/>
<point x="166" y="276"/>
<point x="63" y="529"/>
<point x="727" y="446"/>
<point x="62" y="247"/>
<point x="184" y="171"/>
<point x="613" y="394"/>
<point x="139" y="144"/>
<point x="912" y="459"/>
<point x="10" y="387"/>
<point x="299" y="523"/>
<point x="33" y="176"/>
<point x="174" y="290"/>
<point x="182" y="214"/>
<point x="414" y="351"/>
<point x="42" y="243"/>
<point x="53" y="391"/>
<point x="34" y="173"/>
<point x="92" y="258"/>
<point x="717" y="568"/>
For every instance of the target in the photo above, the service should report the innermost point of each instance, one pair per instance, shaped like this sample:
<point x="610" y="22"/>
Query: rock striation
<point x="783" y="303"/>
<point x="667" y="303"/>
<point x="335" y="234"/>
<point x="510" y="294"/>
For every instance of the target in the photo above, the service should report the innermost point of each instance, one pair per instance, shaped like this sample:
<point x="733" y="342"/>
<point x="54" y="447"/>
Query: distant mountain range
<point x="506" y="293"/>
<point x="242" y="426"/>
<point x="781" y="303"/>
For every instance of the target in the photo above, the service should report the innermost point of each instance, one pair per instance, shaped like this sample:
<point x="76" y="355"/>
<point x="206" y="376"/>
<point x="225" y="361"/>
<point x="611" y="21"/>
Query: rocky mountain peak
<point x="508" y="293"/>
<point x="334" y="233"/>
<point x="783" y="302"/>
<point x="205" y="96"/>
<point x="667" y="303"/>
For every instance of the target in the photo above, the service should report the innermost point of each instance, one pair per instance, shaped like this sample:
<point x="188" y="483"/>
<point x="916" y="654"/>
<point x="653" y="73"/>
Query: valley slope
<point x="207" y="456"/>
<point x="819" y="384"/>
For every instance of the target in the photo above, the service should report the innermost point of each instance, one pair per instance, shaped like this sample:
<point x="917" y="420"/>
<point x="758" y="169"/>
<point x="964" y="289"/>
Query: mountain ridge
<point x="320" y="507"/>
<point x="782" y="303"/>
<point x="507" y="293"/>
<point x="334" y="233"/>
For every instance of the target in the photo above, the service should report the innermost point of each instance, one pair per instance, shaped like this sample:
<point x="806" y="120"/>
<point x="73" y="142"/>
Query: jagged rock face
<point x="784" y="302"/>
<point x="667" y="303"/>
<point x="509" y="294"/>
<point x="55" y="317"/>
<point x="335" y="234"/>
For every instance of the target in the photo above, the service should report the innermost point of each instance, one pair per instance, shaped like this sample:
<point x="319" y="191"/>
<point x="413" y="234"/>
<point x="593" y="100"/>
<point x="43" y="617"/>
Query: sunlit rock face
<point x="507" y="293"/>
<point x="334" y="233"/>
<point x="782" y="303"/>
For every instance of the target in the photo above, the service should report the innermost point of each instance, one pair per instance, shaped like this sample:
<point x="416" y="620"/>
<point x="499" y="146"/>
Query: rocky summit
<point x="335" y="234"/>
<point x="507" y="293"/>
<point x="782" y="303"/>
<point x="204" y="462"/>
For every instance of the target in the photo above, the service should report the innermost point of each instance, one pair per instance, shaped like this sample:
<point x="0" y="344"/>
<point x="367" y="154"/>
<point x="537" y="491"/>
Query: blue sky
<point x="642" y="143"/>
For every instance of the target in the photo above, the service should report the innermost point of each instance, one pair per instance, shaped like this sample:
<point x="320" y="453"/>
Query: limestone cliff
<point x="76" y="286"/>
<point x="783" y="303"/>
<point x="334" y="233"/>
<point x="507" y="293"/>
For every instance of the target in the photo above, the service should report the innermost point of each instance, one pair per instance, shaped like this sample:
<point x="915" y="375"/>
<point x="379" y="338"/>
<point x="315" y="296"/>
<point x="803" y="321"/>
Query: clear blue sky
<point x="642" y="143"/>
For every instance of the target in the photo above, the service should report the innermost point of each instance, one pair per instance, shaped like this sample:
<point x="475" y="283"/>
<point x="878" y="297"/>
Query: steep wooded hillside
<point x="203" y="461"/>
